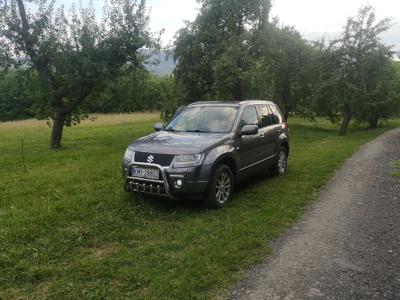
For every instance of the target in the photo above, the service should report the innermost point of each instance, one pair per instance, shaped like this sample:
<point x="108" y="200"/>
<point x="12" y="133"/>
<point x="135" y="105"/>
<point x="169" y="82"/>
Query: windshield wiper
<point x="172" y="130"/>
<point x="197" y="131"/>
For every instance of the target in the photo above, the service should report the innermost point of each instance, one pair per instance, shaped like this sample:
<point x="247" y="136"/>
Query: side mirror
<point x="158" y="126"/>
<point x="249" y="130"/>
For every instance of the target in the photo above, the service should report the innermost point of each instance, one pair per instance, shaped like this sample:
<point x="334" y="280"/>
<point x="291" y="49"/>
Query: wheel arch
<point x="228" y="160"/>
<point x="285" y="144"/>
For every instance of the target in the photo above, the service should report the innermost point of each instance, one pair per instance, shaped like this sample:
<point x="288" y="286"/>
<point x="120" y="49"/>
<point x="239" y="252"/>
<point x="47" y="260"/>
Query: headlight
<point x="129" y="155"/>
<point x="188" y="160"/>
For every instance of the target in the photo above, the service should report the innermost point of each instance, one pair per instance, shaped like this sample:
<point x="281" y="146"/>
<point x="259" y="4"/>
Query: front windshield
<point x="207" y="119"/>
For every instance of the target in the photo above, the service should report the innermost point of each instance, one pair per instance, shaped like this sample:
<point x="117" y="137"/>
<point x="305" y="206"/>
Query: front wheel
<point x="280" y="167"/>
<point x="221" y="188"/>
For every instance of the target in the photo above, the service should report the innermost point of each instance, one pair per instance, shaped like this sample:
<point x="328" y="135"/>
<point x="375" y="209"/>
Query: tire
<point x="221" y="188"/>
<point x="281" y="164"/>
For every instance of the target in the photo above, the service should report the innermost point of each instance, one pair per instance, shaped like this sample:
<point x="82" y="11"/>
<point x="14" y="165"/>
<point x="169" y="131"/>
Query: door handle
<point x="261" y="136"/>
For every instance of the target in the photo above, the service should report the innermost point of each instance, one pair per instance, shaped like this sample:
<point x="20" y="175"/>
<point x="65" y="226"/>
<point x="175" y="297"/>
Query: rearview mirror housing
<point x="158" y="126"/>
<point x="249" y="130"/>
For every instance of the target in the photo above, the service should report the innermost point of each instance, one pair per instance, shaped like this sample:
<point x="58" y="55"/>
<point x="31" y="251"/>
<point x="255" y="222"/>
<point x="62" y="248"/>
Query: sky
<point x="317" y="18"/>
<point x="313" y="18"/>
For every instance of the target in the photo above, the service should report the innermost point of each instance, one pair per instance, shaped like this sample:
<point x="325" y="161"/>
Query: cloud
<point x="316" y="18"/>
<point x="170" y="15"/>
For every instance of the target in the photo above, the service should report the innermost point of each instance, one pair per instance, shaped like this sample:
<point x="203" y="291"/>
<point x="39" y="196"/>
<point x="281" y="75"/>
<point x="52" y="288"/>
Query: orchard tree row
<point x="60" y="65"/>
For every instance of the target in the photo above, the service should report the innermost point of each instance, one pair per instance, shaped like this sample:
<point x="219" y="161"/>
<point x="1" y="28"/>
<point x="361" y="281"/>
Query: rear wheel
<point x="221" y="187"/>
<point x="280" y="167"/>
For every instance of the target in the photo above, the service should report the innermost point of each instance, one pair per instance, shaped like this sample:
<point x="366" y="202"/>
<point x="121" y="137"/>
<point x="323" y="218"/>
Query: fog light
<point x="178" y="183"/>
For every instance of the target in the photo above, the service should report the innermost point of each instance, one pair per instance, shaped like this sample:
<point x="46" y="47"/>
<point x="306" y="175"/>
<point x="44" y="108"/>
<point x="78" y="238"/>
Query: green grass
<point x="68" y="230"/>
<point x="396" y="166"/>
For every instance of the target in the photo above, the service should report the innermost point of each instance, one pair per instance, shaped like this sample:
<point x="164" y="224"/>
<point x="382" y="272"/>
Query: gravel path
<point x="347" y="245"/>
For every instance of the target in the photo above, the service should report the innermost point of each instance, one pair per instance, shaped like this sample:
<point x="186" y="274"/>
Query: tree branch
<point x="25" y="31"/>
<point x="84" y="93"/>
<point x="39" y="64"/>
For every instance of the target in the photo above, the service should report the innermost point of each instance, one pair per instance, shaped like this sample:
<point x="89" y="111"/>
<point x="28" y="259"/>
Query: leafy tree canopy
<point x="73" y="52"/>
<point x="215" y="53"/>
<point x="359" y="80"/>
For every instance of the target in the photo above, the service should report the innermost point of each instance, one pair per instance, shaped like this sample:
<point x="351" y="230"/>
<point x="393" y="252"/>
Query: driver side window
<point x="250" y="116"/>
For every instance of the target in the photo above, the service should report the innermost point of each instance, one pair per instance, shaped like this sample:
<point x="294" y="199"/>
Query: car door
<point x="268" y="130"/>
<point x="250" y="146"/>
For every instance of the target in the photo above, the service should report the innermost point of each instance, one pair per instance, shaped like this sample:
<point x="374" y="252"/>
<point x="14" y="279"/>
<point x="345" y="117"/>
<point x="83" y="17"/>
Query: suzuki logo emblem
<point x="150" y="159"/>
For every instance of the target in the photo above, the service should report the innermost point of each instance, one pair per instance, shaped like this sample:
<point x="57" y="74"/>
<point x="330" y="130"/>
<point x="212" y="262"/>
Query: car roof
<point x="231" y="103"/>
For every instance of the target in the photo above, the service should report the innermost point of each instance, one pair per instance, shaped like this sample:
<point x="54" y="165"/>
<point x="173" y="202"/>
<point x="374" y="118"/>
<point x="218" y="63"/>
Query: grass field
<point x="396" y="166"/>
<point x="69" y="231"/>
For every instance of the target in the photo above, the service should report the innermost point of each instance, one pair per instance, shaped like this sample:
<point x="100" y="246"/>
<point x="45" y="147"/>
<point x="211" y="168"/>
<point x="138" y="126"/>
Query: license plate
<point x="145" y="173"/>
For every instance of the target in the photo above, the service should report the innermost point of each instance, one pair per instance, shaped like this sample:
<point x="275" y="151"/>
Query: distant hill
<point x="165" y="67"/>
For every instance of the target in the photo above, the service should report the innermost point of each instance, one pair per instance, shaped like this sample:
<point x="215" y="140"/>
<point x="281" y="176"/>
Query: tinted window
<point x="249" y="116"/>
<point x="268" y="118"/>
<point x="277" y="113"/>
<point x="264" y="115"/>
<point x="207" y="119"/>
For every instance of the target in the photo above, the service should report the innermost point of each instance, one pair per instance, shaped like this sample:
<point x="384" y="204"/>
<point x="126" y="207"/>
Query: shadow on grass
<point x="165" y="205"/>
<point x="253" y="181"/>
<point x="156" y="205"/>
<point x="309" y="128"/>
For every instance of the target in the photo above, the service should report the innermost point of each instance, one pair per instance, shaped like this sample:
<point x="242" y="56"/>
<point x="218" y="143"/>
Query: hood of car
<point x="166" y="142"/>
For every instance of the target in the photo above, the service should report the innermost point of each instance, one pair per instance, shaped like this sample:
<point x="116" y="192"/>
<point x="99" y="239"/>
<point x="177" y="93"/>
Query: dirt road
<point x="347" y="245"/>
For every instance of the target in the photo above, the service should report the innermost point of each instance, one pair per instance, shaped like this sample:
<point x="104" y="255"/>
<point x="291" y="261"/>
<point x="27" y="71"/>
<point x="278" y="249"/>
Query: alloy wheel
<point x="282" y="162"/>
<point x="223" y="187"/>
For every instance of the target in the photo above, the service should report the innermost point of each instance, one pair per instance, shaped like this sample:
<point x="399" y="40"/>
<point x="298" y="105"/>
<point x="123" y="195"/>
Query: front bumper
<point x="192" y="185"/>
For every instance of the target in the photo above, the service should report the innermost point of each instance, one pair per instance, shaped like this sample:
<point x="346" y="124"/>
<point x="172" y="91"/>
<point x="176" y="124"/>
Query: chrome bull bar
<point x="149" y="186"/>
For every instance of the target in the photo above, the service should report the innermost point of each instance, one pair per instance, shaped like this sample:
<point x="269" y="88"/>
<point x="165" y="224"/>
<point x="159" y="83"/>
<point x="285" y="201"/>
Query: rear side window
<point x="264" y="115"/>
<point x="250" y="116"/>
<point x="277" y="113"/>
<point x="268" y="118"/>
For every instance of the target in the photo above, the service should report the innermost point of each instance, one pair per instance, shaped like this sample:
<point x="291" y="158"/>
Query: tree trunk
<point x="345" y="123"/>
<point x="284" y="91"/>
<point x="237" y="91"/>
<point x="286" y="113"/>
<point x="57" y="130"/>
<point x="373" y="122"/>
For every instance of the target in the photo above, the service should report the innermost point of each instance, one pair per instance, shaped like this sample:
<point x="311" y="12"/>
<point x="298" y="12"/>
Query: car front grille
<point x="164" y="160"/>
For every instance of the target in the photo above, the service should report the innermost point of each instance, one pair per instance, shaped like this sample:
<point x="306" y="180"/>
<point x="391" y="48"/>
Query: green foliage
<point x="215" y="53"/>
<point x="288" y="59"/>
<point x="350" y="78"/>
<point x="135" y="91"/>
<point x="14" y="100"/>
<point x="381" y="92"/>
<point x="231" y="52"/>
<point x="70" y="231"/>
<point x="396" y="66"/>
<point x="356" y="76"/>
<point x="22" y="93"/>
<point x="73" y="53"/>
